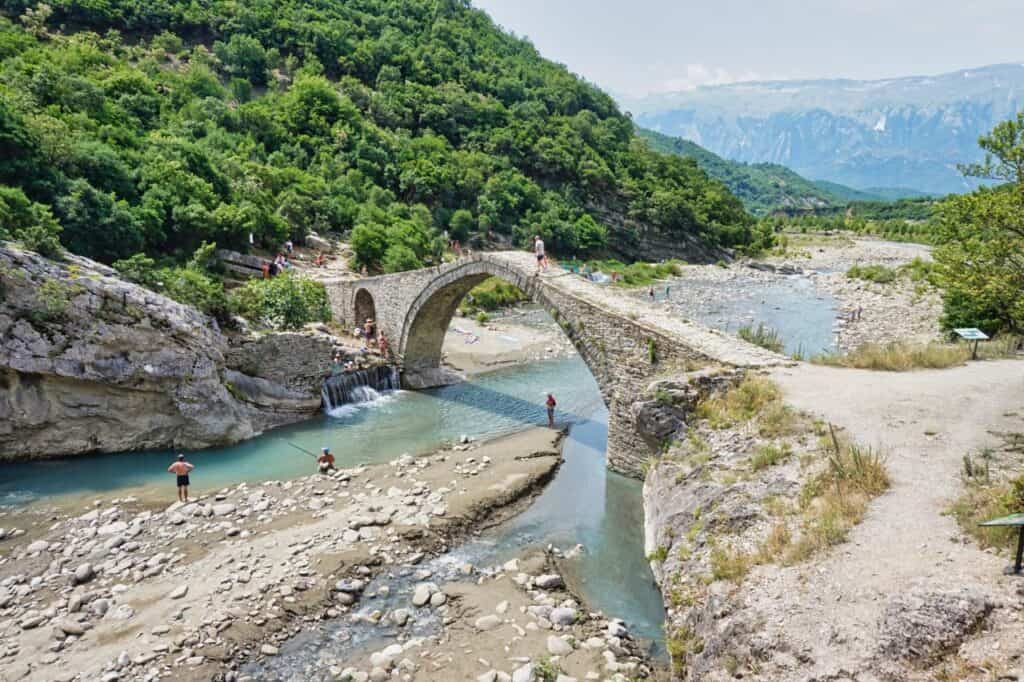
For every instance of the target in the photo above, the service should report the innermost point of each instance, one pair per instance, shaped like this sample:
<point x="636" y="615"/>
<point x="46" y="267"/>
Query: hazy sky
<point x="639" y="46"/>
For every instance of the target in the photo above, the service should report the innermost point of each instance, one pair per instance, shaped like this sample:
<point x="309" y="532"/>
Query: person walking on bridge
<point x="538" y="249"/>
<point x="181" y="469"/>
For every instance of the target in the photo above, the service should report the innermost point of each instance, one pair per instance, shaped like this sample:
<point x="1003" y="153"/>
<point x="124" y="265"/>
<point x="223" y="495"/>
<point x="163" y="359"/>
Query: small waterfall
<point x="360" y="386"/>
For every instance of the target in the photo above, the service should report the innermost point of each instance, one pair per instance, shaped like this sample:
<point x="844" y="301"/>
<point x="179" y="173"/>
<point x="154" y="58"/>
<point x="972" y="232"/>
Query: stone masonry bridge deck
<point x="624" y="342"/>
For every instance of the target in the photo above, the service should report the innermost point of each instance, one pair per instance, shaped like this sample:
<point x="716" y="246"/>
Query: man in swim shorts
<point x="181" y="469"/>
<point x="325" y="461"/>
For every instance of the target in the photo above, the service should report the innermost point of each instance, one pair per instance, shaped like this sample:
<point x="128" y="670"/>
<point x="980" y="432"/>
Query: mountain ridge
<point x="909" y="132"/>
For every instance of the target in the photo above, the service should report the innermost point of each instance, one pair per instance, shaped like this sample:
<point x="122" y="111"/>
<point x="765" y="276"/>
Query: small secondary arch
<point x="364" y="307"/>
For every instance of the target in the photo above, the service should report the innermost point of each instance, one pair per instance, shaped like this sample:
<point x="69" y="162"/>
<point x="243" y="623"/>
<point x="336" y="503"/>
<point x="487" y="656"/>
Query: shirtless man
<point x="326" y="461"/>
<point x="181" y="469"/>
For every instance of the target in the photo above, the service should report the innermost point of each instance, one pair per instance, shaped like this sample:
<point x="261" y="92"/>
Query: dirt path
<point x="925" y="422"/>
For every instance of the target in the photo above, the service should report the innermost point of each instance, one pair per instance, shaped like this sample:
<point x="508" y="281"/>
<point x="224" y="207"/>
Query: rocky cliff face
<point x="89" y="362"/>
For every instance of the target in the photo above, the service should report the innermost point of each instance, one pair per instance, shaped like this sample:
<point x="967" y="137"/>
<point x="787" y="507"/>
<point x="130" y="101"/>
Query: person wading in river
<point x="181" y="469"/>
<point x="325" y="461"/>
<point x="551" y="402"/>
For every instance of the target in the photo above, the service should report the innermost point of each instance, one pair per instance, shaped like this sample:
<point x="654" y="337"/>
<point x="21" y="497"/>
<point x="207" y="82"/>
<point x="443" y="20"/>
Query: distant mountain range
<point x="768" y="187"/>
<point x="904" y="133"/>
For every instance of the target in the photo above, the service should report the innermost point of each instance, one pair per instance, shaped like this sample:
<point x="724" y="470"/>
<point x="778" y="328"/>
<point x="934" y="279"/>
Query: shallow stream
<point x="803" y="315"/>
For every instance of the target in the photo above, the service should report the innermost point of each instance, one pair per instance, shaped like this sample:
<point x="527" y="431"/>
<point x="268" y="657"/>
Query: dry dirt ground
<point x="924" y="422"/>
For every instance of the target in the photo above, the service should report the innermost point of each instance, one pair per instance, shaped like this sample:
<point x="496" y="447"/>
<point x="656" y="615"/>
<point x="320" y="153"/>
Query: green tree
<point x="462" y="223"/>
<point x="400" y="257"/>
<point x="980" y="255"/>
<point x="97" y="225"/>
<point x="30" y="223"/>
<point x="245" y="57"/>
<point x="287" y="301"/>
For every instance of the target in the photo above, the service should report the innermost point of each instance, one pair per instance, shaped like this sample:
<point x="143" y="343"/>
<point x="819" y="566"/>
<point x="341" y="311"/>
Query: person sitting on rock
<point x="325" y="461"/>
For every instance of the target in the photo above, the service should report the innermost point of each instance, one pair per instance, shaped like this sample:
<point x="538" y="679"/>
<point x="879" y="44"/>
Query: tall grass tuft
<point x="756" y="399"/>
<point x="763" y="336"/>
<point x="984" y="500"/>
<point x="898" y="356"/>
<point x="836" y="500"/>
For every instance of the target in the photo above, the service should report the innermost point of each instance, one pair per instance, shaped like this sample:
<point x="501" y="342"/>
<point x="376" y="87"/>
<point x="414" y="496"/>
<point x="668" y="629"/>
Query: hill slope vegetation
<point x="134" y="127"/>
<point x="763" y="187"/>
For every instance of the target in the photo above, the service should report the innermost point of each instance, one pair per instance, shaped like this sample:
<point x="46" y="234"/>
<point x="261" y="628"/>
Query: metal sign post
<point x="1012" y="520"/>
<point x="972" y="334"/>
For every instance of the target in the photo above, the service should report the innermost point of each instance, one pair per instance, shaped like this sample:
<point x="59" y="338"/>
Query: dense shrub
<point x="287" y="301"/>
<point x="192" y="285"/>
<point x="878" y="274"/>
<point x="491" y="294"/>
<point x="28" y="222"/>
<point x="637" y="274"/>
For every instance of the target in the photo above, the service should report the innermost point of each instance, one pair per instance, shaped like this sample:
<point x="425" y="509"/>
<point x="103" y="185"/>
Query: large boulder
<point x="924" y="625"/>
<point x="91" y="362"/>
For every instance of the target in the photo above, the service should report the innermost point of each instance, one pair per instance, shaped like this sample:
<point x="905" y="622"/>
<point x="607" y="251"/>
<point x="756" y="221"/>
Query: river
<point x="585" y="503"/>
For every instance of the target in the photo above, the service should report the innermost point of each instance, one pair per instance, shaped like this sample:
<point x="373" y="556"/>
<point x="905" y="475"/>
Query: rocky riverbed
<point x="806" y="294"/>
<point x="903" y="310"/>
<point x="515" y="336"/>
<point x="128" y="588"/>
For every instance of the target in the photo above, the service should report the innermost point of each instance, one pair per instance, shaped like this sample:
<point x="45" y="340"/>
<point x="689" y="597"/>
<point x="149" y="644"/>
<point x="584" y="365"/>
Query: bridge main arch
<point x="429" y="315"/>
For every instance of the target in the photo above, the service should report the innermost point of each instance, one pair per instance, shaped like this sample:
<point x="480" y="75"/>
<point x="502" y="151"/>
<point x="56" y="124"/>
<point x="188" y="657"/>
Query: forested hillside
<point x="151" y="127"/>
<point x="762" y="187"/>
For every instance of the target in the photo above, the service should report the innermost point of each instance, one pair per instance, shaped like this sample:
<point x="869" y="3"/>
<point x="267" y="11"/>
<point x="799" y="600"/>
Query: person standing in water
<point x="551" y="402"/>
<point x="181" y="469"/>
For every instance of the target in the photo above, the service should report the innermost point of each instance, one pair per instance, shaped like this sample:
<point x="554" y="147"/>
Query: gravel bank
<point x="128" y="589"/>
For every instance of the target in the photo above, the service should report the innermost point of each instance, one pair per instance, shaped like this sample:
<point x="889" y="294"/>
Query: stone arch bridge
<point x="623" y="341"/>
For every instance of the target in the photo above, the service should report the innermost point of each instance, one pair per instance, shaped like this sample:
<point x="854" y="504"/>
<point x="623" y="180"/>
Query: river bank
<point x="518" y="335"/>
<point x="904" y="309"/>
<point x="132" y="589"/>
<point x="806" y="295"/>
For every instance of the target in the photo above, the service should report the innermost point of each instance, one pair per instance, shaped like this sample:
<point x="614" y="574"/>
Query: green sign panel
<point x="1011" y="520"/>
<point x="972" y="334"/>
